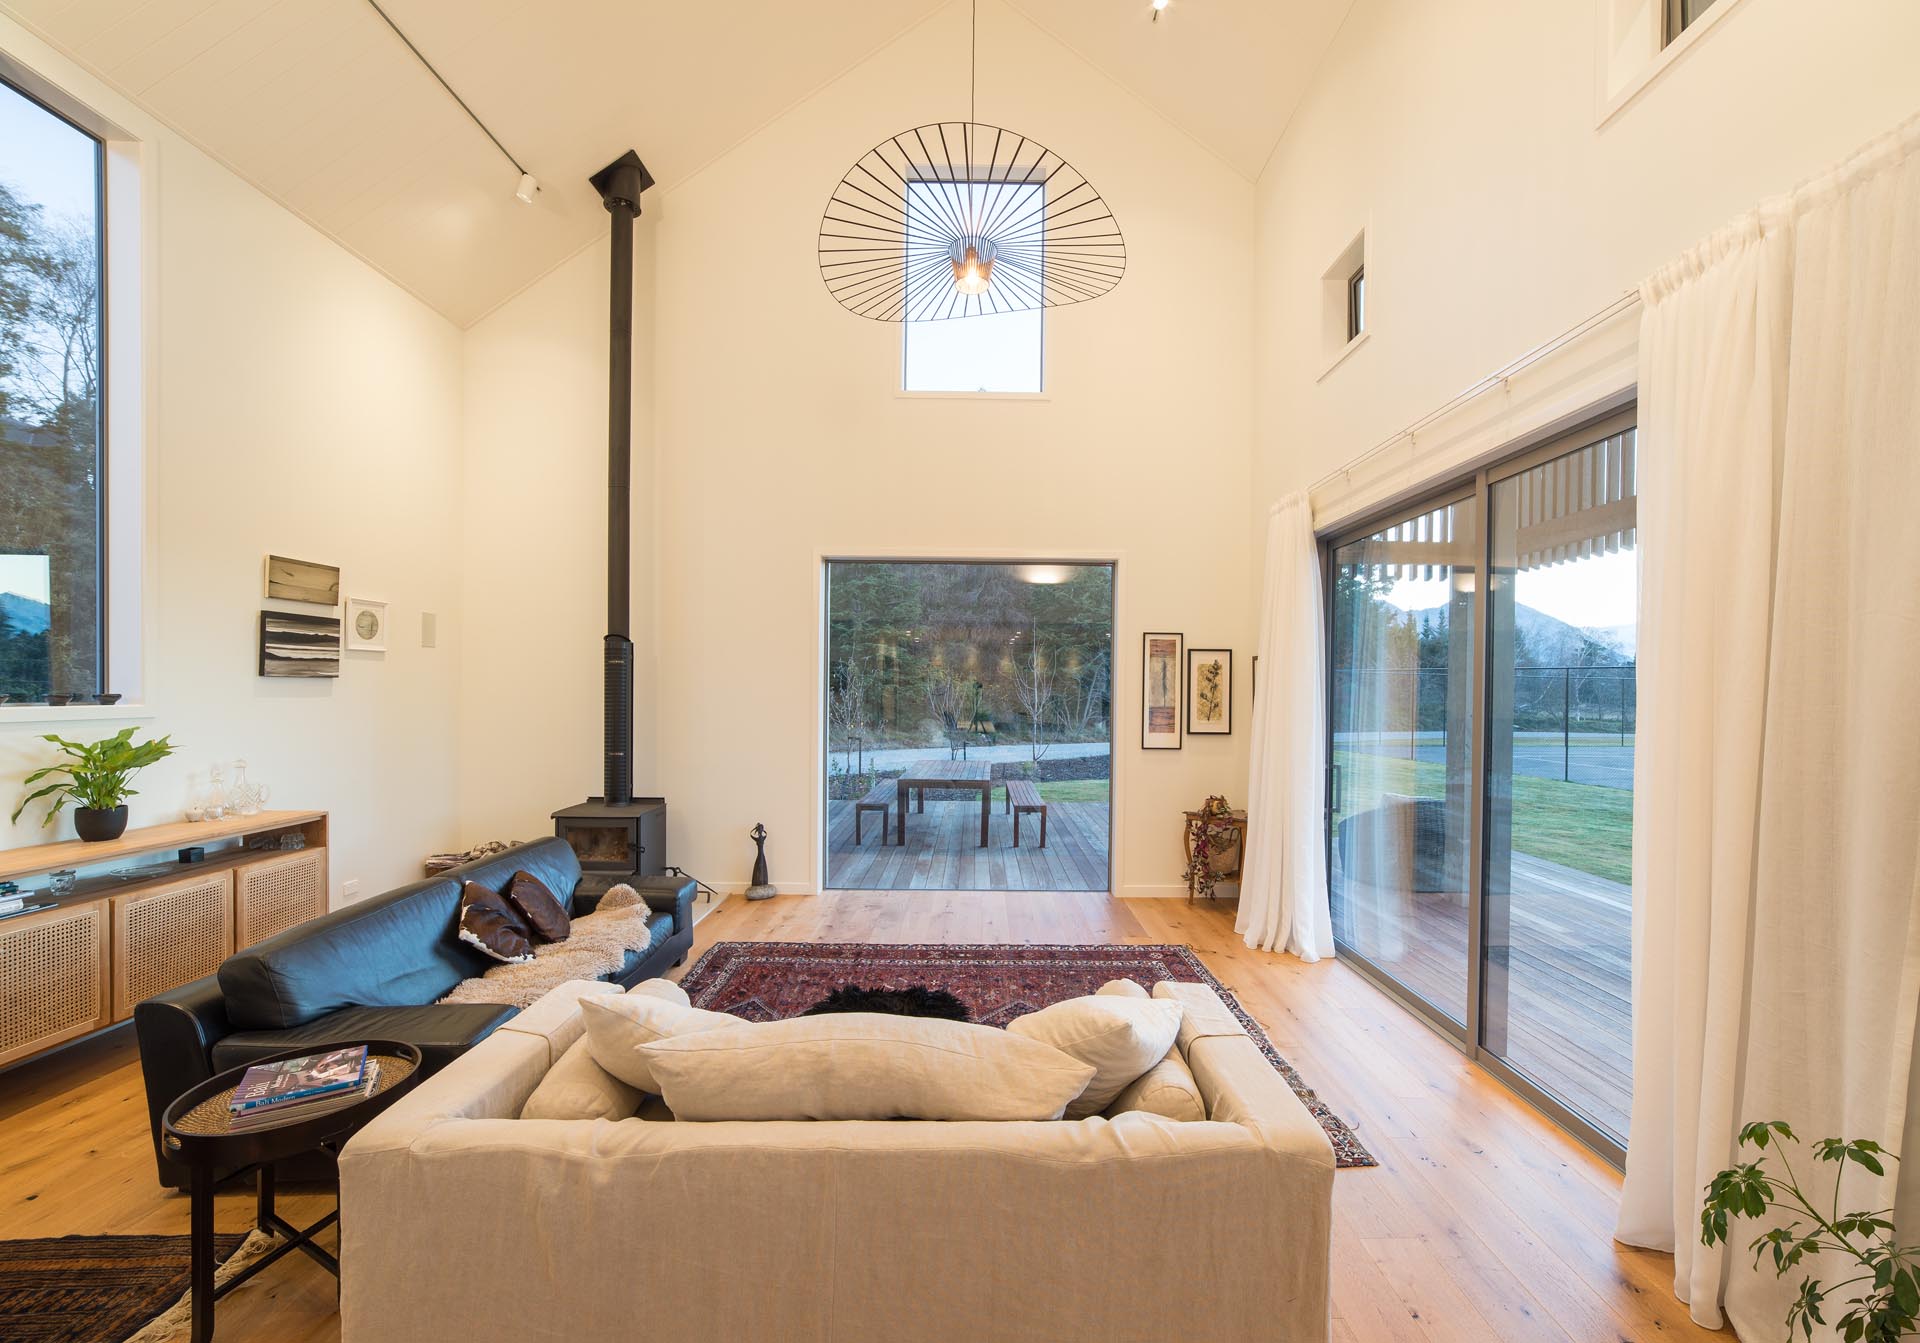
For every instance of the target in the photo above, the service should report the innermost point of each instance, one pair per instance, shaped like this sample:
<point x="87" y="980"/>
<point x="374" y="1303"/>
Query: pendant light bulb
<point x="971" y="273"/>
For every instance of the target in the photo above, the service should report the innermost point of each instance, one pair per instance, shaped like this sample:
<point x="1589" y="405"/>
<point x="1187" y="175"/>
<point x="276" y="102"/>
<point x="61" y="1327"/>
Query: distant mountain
<point x="24" y="614"/>
<point x="1551" y="642"/>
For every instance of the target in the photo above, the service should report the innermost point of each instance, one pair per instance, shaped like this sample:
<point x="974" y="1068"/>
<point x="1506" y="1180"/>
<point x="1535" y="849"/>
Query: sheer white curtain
<point x="1777" y="871"/>
<point x="1283" y="897"/>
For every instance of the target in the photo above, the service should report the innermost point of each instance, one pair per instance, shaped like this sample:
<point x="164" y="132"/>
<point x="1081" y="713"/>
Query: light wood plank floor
<point x="1482" y="1223"/>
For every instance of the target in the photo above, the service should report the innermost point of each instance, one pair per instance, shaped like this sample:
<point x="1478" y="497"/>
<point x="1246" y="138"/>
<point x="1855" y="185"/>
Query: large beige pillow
<point x="863" y="1065"/>
<point x="1120" y="1037"/>
<point x="579" y="1088"/>
<point x="618" y="1024"/>
<point x="664" y="989"/>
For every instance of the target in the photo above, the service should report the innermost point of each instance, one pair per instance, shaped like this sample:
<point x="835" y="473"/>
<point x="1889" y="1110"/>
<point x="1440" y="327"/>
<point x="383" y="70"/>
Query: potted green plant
<point x="1886" y="1302"/>
<point x="94" y="777"/>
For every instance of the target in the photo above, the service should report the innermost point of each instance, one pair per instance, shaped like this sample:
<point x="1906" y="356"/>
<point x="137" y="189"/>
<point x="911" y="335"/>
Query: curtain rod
<point x="1625" y="303"/>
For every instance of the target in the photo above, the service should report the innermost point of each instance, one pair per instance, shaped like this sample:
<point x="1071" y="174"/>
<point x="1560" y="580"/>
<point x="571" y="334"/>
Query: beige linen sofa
<point x="461" y="1222"/>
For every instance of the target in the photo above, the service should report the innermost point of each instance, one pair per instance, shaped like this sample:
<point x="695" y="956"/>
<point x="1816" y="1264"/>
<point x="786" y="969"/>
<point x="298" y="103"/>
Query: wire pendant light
<point x="959" y="219"/>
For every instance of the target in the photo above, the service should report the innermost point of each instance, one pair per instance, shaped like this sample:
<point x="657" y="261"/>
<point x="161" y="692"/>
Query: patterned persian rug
<point x="91" y="1289"/>
<point x="769" y="981"/>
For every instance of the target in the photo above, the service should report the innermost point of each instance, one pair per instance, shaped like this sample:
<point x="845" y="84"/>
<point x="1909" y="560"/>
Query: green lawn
<point x="1578" y="825"/>
<point x="1066" y="790"/>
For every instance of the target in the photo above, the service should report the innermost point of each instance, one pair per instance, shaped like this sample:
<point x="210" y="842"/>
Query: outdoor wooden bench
<point x="1024" y="797"/>
<point x="879" y="798"/>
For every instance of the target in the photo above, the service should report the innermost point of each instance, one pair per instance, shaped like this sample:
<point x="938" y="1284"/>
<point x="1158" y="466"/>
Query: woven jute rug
<point x="104" y="1289"/>
<point x="769" y="981"/>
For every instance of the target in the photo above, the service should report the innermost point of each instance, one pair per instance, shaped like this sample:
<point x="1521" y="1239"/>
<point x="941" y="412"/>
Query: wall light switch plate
<point x="349" y="888"/>
<point x="429" y="630"/>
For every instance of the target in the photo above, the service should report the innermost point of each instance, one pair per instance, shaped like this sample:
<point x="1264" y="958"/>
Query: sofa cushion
<point x="441" y="1032"/>
<point x="576" y="1087"/>
<point x="856" y="1065"/>
<point x="538" y="907"/>
<point x="494" y="926"/>
<point x="1119" y="1037"/>
<point x="1167" y="1089"/>
<point x="395" y="949"/>
<point x="618" y="1026"/>
<point x="662" y="988"/>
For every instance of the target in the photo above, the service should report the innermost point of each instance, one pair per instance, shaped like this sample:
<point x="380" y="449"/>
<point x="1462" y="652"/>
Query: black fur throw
<point x="917" y="1001"/>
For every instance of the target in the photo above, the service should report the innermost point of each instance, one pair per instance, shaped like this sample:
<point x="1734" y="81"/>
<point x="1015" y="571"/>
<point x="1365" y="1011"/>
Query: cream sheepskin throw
<point x="596" y="947"/>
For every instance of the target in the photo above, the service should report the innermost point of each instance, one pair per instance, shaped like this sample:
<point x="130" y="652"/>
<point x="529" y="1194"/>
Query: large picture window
<point x="52" y="550"/>
<point x="968" y="722"/>
<point x="1481" y="803"/>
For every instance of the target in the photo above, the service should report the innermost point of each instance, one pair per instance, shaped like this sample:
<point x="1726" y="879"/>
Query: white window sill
<point x="76" y="713"/>
<point x="1345" y="350"/>
<point x="906" y="395"/>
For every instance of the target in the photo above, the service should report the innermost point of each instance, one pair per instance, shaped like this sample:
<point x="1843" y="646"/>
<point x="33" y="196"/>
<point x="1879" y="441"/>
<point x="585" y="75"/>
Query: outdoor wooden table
<point x="925" y="774"/>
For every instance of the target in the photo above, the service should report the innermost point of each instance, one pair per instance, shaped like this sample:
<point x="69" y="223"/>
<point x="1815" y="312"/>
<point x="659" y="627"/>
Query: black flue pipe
<point x="620" y="184"/>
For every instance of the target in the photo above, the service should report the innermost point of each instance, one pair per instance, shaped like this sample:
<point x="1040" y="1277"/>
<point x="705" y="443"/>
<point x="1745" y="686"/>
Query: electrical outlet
<point x="350" y="888"/>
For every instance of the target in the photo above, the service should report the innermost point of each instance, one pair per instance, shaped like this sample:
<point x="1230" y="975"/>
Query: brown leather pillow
<point x="490" y="923"/>
<point x="539" y="907"/>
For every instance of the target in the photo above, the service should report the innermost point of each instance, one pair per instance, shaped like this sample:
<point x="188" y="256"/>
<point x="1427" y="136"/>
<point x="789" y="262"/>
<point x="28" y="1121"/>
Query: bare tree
<point x="1034" y="690"/>
<point x="1085" y="707"/>
<point x="65" y="318"/>
<point x="847" y="708"/>
<point x="946" y="697"/>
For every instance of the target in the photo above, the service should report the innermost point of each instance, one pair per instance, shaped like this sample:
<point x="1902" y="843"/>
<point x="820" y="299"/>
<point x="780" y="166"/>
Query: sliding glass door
<point x="1402" y="749"/>
<point x="1480" y="811"/>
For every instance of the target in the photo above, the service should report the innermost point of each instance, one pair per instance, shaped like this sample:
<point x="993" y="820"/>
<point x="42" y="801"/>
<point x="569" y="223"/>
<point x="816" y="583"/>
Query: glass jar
<point x="216" y="804"/>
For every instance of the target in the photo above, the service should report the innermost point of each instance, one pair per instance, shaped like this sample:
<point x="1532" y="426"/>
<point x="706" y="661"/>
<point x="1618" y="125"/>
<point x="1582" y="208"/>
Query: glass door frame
<point x="1478" y="486"/>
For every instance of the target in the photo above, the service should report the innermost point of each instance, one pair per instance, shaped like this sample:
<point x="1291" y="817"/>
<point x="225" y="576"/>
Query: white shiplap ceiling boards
<point x="318" y="104"/>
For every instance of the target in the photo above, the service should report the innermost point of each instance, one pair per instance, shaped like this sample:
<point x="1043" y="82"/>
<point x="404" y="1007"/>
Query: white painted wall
<point x="779" y="437"/>
<point x="1463" y="137"/>
<point x="301" y="404"/>
<point x="534" y="553"/>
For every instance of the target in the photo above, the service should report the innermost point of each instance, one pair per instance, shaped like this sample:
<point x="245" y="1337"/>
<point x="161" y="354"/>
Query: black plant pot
<point x="95" y="826"/>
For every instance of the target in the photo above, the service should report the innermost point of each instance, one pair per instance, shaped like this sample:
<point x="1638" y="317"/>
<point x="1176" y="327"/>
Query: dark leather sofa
<point x="370" y="970"/>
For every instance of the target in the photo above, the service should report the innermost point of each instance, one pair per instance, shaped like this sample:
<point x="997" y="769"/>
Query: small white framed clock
<point x="366" y="625"/>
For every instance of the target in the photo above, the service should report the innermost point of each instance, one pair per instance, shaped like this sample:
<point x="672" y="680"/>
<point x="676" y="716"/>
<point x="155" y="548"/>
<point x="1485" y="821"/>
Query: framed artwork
<point x="1210" y="691"/>
<point x="1161" y="682"/>
<point x="366" y="625"/>
<point x="301" y="581"/>
<point x="299" y="645"/>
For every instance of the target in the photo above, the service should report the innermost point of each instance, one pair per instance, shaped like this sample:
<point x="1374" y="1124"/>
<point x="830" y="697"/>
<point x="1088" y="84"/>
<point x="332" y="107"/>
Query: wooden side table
<point x="195" y="1130"/>
<point x="1238" y="820"/>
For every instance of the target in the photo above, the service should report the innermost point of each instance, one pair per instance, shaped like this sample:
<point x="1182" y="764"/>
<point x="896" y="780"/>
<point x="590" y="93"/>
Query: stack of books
<point x="302" y="1088"/>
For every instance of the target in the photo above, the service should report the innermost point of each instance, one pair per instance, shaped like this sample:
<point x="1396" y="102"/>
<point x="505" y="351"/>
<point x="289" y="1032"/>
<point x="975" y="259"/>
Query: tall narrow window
<point x="52" y="599"/>
<point x="1357" y="303"/>
<point x="1481" y="723"/>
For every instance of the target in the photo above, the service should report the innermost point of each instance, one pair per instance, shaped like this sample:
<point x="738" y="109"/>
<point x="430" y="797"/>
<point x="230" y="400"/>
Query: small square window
<point x="959" y="343"/>
<point x="1681" y="15"/>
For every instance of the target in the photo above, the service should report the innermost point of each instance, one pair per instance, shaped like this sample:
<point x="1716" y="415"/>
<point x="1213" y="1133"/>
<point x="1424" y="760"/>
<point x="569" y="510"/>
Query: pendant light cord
<point x="471" y="114"/>
<point x="973" y="66"/>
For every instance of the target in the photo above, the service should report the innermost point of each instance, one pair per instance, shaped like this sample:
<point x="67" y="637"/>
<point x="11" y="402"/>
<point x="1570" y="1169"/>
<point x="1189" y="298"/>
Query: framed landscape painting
<point x="1210" y="691"/>
<point x="299" y="645"/>
<point x="1161" y="681"/>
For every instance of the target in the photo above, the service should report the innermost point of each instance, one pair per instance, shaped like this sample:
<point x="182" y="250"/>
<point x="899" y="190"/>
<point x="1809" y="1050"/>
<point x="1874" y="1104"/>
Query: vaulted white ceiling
<point x="318" y="104"/>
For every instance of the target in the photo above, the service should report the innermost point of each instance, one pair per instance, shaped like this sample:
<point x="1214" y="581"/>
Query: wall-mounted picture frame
<point x="302" y="581"/>
<point x="1210" y="691"/>
<point x="297" y="645"/>
<point x="366" y="625"/>
<point x="1162" y="679"/>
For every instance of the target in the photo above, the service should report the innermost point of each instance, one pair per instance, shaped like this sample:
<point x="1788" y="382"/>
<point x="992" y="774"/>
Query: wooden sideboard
<point x="118" y="938"/>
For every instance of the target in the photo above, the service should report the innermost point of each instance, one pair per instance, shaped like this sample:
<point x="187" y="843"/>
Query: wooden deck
<point x="943" y="852"/>
<point x="1569" y="1014"/>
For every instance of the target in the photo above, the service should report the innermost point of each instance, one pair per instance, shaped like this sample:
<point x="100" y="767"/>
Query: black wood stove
<point x="618" y="836"/>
